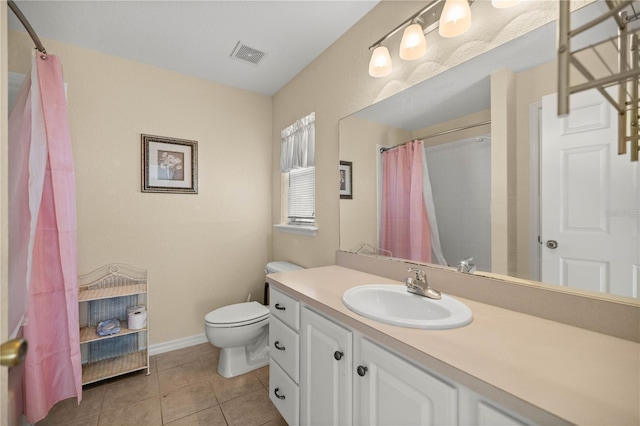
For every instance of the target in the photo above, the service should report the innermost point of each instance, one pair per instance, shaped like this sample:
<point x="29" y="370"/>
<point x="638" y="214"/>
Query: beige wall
<point x="531" y="85"/>
<point x="359" y="216"/>
<point x="337" y="84"/>
<point x="503" y="123"/>
<point x="201" y="251"/>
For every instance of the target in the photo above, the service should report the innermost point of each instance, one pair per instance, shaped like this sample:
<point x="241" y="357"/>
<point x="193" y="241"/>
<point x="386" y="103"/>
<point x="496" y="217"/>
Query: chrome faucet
<point x="418" y="284"/>
<point x="467" y="266"/>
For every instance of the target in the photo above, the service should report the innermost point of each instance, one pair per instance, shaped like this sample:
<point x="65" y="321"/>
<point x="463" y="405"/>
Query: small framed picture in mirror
<point x="346" y="180"/>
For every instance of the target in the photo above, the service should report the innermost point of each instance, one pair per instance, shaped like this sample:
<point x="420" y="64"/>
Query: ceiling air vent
<point x="242" y="52"/>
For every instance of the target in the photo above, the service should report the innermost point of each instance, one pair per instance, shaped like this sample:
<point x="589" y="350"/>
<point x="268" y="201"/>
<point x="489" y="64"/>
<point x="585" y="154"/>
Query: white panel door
<point x="589" y="199"/>
<point x="325" y="374"/>
<point x="390" y="391"/>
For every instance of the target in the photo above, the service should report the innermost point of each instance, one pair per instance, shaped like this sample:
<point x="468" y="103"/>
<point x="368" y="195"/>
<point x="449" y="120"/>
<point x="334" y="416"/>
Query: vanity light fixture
<point x="380" y="64"/>
<point x="414" y="43"/>
<point x="452" y="17"/>
<point x="455" y="19"/>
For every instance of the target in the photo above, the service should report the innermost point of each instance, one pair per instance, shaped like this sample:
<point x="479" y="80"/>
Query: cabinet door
<point x="489" y="415"/>
<point x="478" y="410"/>
<point x="391" y="391"/>
<point x="325" y="376"/>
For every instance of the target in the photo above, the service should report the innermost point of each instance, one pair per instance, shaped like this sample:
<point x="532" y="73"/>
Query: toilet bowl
<point x="241" y="331"/>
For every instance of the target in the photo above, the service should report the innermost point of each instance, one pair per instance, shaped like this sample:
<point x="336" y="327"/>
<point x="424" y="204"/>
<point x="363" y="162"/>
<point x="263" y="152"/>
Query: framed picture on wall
<point x="169" y="165"/>
<point x="346" y="180"/>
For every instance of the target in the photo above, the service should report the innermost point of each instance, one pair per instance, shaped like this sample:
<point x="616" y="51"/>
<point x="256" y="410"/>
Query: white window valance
<point x="298" y="144"/>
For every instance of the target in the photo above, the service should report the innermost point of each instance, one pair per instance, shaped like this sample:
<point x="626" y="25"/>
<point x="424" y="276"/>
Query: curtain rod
<point x="27" y="26"/>
<point x="444" y="132"/>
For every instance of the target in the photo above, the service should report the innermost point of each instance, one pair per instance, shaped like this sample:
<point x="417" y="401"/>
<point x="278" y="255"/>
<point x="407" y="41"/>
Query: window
<point x="301" y="200"/>
<point x="297" y="161"/>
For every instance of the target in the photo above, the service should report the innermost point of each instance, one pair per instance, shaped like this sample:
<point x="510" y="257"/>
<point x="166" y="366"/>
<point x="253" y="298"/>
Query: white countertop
<point x="574" y="374"/>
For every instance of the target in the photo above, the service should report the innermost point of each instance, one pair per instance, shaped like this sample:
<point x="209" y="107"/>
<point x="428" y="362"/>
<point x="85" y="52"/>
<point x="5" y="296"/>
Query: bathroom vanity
<point x="330" y="365"/>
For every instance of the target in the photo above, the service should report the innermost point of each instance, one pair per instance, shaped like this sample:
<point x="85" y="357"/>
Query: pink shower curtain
<point x="42" y="240"/>
<point x="404" y="226"/>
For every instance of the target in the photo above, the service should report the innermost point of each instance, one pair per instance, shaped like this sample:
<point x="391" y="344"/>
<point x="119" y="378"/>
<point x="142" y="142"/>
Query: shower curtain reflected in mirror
<point x="408" y="225"/>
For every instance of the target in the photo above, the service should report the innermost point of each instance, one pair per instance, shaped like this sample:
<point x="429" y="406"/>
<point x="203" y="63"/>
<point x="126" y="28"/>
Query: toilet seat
<point x="237" y="315"/>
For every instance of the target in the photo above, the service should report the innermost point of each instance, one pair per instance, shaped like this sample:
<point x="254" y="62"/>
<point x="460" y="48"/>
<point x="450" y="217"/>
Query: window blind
<point x="302" y="189"/>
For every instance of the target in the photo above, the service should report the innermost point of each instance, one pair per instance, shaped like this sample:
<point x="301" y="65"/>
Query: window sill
<point x="297" y="229"/>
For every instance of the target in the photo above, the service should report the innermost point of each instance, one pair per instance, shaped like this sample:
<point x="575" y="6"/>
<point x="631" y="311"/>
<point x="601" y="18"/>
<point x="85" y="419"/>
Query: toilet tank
<point x="274" y="267"/>
<point x="280" y="266"/>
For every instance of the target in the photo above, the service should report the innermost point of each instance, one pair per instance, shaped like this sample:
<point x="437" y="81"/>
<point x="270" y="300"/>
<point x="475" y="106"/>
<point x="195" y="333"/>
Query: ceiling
<point x="197" y="38"/>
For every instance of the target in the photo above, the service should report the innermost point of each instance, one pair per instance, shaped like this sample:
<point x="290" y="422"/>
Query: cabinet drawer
<point x="284" y="394"/>
<point x="285" y="308"/>
<point x="284" y="347"/>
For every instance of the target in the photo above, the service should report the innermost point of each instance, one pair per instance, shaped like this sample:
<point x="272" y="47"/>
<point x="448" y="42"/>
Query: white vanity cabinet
<point x="326" y="371"/>
<point x="388" y="390"/>
<point x="339" y="376"/>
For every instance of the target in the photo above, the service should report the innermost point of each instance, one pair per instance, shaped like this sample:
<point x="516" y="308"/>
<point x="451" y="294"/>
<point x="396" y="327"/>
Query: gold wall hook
<point x="13" y="352"/>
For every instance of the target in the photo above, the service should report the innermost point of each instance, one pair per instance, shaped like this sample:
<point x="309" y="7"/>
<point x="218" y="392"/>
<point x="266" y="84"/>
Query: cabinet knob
<point x="362" y="370"/>
<point x="338" y="355"/>
<point x="275" y="391"/>
<point x="280" y="308"/>
<point x="277" y="345"/>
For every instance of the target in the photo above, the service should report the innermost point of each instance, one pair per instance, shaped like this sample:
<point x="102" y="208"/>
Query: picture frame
<point x="169" y="165"/>
<point x="346" y="180"/>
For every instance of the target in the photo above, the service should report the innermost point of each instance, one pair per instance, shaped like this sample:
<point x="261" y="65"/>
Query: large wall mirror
<point x="497" y="155"/>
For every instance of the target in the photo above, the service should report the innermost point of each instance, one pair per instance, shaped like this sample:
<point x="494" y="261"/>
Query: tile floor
<point x="184" y="388"/>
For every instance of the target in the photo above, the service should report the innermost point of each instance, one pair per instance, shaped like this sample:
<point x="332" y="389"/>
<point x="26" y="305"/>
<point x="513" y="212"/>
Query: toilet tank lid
<point x="281" y="266"/>
<point x="238" y="312"/>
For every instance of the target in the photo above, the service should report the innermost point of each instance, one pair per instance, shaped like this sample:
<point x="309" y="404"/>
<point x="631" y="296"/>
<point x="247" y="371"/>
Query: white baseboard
<point x="172" y="345"/>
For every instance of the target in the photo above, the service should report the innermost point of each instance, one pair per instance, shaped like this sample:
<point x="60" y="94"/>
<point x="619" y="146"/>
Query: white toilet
<point x="241" y="331"/>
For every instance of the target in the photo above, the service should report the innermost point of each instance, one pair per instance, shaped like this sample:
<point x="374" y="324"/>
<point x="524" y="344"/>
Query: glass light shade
<point x="413" y="44"/>
<point x="380" y="63"/>
<point x="503" y="4"/>
<point x="455" y="18"/>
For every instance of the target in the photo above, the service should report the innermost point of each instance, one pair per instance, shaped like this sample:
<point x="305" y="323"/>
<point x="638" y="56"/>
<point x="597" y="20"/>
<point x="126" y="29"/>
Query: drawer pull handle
<point x="362" y="370"/>
<point x="275" y="391"/>
<point x="280" y="308"/>
<point x="278" y="347"/>
<point x="338" y="355"/>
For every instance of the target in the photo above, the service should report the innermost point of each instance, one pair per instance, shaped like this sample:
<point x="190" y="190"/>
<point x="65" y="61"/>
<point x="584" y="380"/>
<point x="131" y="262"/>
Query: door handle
<point x="13" y="352"/>
<point x="552" y="244"/>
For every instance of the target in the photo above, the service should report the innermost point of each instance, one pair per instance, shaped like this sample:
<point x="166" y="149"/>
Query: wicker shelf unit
<point x="104" y="294"/>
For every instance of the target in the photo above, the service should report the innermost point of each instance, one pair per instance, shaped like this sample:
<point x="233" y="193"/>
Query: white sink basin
<point x="392" y="304"/>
